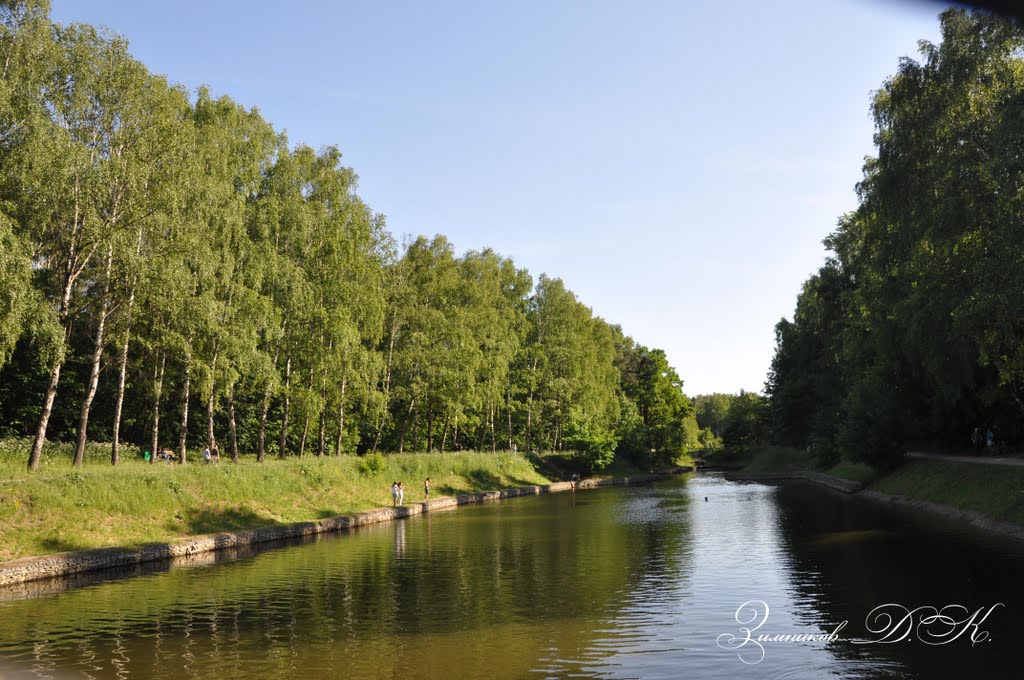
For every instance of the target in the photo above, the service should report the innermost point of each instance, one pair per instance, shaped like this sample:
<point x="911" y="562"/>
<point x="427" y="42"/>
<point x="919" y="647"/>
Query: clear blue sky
<point x="677" y="165"/>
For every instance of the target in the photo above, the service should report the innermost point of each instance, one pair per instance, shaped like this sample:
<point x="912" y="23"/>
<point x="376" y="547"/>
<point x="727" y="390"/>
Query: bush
<point x="870" y="431"/>
<point x="594" y="446"/>
<point x="372" y="464"/>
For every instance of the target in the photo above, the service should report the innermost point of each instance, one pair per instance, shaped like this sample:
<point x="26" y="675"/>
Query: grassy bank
<point x="61" y="508"/>
<point x="768" y="459"/>
<point x="995" y="490"/>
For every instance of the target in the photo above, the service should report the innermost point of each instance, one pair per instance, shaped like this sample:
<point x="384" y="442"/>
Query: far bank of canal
<point x="611" y="583"/>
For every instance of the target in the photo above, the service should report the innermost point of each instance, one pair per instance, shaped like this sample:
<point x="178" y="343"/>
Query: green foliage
<point x="633" y="440"/>
<point x="912" y="330"/>
<point x="744" y="422"/>
<point x="870" y="432"/>
<point x="173" y="272"/>
<point x="735" y="421"/>
<point x="707" y="440"/>
<point x="658" y="422"/>
<point x="15" y="288"/>
<point x="372" y="464"/>
<point x="594" y="446"/>
<point x="711" y="411"/>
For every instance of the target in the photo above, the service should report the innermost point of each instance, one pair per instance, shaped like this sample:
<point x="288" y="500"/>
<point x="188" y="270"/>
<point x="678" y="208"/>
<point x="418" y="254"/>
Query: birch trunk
<point x="282" y="450"/>
<point x="159" y="386"/>
<point x="232" y="427"/>
<point x="94" y="369"/>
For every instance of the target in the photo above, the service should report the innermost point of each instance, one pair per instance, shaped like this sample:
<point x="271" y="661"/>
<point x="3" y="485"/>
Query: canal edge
<point x="973" y="517"/>
<point x="27" y="569"/>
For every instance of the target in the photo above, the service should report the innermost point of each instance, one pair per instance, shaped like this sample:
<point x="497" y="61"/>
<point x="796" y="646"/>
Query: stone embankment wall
<point x="77" y="562"/>
<point x="978" y="519"/>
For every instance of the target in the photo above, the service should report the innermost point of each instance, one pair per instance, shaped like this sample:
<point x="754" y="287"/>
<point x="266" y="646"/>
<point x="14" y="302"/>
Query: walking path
<point x="981" y="460"/>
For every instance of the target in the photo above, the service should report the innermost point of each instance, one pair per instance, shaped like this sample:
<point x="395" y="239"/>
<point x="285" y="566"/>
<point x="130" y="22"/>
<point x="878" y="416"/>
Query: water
<point x="640" y="582"/>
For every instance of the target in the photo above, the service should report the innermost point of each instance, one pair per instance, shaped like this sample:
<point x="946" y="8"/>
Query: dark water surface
<point x="641" y="582"/>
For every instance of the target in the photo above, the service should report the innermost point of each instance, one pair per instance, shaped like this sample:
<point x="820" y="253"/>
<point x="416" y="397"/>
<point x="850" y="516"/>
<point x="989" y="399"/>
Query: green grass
<point x="778" y="459"/>
<point x="58" y="455"/>
<point x="768" y="459"/>
<point x="996" y="490"/>
<point x="59" y="507"/>
<point x="762" y="459"/>
<point x="857" y="472"/>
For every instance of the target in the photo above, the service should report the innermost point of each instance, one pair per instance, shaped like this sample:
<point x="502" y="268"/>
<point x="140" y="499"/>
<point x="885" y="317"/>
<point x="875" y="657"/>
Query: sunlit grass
<point x="60" y="507"/>
<point x="996" y="490"/>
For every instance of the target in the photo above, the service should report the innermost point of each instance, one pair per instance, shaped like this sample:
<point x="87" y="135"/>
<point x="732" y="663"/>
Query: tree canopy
<point x="176" y="274"/>
<point x="912" y="332"/>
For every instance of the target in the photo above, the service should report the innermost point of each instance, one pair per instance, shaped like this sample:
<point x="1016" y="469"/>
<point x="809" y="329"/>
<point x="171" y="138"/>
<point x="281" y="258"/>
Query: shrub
<point x="594" y="446"/>
<point x="372" y="464"/>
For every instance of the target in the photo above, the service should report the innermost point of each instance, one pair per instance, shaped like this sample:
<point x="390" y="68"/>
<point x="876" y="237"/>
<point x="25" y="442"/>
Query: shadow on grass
<point x="483" y="480"/>
<point x="211" y="520"/>
<point x="57" y="545"/>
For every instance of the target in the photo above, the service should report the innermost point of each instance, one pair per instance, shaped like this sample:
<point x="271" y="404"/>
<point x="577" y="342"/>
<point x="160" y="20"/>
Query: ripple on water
<point x="611" y="583"/>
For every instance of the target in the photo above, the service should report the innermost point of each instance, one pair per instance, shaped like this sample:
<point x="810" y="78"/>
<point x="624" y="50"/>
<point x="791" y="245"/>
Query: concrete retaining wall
<point x="80" y="561"/>
<point x="978" y="519"/>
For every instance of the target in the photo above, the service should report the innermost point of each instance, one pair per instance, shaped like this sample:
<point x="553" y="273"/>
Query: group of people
<point x="984" y="440"/>
<point x="398" y="492"/>
<point x="210" y="455"/>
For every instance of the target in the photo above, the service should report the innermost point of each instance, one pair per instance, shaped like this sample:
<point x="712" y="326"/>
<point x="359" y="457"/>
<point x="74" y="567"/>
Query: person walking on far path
<point x="401" y="493"/>
<point x="394" y="494"/>
<point x="426" y="489"/>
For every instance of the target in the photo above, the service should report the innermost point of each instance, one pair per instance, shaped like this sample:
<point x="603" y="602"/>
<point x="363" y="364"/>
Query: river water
<point x="637" y="582"/>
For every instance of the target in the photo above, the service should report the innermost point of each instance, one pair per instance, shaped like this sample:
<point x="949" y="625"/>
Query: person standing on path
<point x="401" y="493"/>
<point x="426" y="489"/>
<point x="394" y="494"/>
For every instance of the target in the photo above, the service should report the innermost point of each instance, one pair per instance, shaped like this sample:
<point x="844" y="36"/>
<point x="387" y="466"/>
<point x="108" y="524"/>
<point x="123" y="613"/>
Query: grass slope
<point x="767" y="459"/>
<point x="60" y="508"/>
<point x="996" y="490"/>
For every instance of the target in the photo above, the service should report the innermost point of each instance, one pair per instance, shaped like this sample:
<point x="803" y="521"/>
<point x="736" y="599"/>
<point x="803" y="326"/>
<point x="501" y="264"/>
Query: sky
<point x="677" y="164"/>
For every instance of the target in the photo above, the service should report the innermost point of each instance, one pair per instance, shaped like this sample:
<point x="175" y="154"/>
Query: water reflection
<point x="611" y="583"/>
<point x="865" y="555"/>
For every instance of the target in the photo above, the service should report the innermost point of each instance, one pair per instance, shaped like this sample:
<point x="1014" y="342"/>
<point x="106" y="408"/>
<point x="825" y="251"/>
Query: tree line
<point x="912" y="333"/>
<point x="172" y="271"/>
